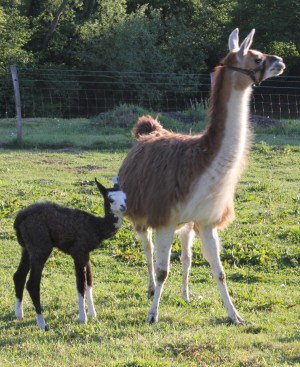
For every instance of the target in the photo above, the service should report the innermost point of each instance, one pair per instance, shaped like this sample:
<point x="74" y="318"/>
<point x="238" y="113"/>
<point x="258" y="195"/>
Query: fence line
<point x="84" y="93"/>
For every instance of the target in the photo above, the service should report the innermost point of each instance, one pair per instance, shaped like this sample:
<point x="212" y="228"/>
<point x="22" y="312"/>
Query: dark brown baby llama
<point x="42" y="226"/>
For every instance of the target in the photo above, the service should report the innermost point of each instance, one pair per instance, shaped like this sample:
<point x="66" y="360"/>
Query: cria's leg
<point x="211" y="249"/>
<point x="89" y="291"/>
<point x="34" y="283"/>
<point x="164" y="238"/>
<point x="20" y="280"/>
<point x="186" y="237"/>
<point x="81" y="261"/>
<point x="146" y="236"/>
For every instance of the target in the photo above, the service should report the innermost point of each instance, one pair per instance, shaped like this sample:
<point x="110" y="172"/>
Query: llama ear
<point x="246" y="44"/>
<point x="233" y="41"/>
<point x="116" y="182"/>
<point x="101" y="188"/>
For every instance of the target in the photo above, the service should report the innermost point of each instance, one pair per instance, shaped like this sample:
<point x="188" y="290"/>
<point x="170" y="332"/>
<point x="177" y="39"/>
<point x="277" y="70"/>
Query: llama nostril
<point x="123" y="208"/>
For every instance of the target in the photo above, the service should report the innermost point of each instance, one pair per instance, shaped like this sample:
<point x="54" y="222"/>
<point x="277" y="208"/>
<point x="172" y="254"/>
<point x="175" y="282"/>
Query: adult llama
<point x="187" y="183"/>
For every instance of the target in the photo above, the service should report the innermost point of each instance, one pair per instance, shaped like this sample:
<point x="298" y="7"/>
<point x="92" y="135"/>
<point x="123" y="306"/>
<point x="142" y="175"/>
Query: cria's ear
<point x="116" y="182"/>
<point x="101" y="188"/>
<point x="246" y="44"/>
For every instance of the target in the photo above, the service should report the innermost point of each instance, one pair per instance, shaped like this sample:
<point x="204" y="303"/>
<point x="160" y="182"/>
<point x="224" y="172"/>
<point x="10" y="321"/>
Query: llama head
<point x="254" y="64"/>
<point x="114" y="199"/>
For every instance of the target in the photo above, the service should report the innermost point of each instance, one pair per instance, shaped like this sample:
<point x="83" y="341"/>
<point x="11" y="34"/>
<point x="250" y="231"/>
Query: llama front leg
<point x="211" y="252"/>
<point x="145" y="235"/>
<point x="164" y="238"/>
<point x="89" y="291"/>
<point x="186" y="236"/>
<point x="19" y="281"/>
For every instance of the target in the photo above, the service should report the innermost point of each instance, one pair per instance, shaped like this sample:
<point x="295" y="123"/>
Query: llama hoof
<point x="92" y="313"/>
<point x="41" y="322"/>
<point x="152" y="318"/>
<point x="82" y="321"/>
<point x="237" y="320"/>
<point x="19" y="315"/>
<point x="82" y="315"/>
<point x="186" y="298"/>
<point x="19" y="309"/>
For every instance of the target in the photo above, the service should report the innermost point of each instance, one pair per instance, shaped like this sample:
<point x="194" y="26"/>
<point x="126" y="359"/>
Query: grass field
<point x="57" y="162"/>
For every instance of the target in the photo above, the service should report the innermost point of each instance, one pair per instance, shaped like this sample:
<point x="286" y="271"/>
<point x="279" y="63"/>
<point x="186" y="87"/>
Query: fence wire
<point x="82" y="93"/>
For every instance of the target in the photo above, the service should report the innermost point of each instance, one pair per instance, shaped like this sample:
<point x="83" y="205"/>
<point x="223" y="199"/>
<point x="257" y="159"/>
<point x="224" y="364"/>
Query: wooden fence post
<point x="15" y="79"/>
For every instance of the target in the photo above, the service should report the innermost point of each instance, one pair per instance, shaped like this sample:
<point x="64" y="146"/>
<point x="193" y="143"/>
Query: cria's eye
<point x="258" y="61"/>
<point x="110" y="200"/>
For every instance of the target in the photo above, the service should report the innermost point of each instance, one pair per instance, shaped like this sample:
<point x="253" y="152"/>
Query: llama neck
<point x="108" y="226"/>
<point x="228" y="121"/>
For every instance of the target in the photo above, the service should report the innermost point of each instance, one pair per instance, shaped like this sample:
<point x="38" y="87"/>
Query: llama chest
<point x="208" y="201"/>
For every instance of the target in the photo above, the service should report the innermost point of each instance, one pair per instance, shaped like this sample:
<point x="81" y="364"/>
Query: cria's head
<point x="114" y="199"/>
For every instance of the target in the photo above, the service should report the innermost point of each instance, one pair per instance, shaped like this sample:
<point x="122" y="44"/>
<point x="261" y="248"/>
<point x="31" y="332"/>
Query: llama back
<point x="36" y="218"/>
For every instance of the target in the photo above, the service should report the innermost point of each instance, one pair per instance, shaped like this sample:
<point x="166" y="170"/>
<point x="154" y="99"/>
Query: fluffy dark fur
<point x="42" y="226"/>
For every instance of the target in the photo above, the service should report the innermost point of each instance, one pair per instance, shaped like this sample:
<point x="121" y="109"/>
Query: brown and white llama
<point x="173" y="180"/>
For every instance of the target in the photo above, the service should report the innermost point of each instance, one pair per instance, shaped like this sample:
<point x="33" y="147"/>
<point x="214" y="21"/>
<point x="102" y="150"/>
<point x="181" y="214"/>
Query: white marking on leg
<point x="211" y="249"/>
<point x="19" y="309"/>
<point x="40" y="321"/>
<point x="81" y="307"/>
<point x="90" y="301"/>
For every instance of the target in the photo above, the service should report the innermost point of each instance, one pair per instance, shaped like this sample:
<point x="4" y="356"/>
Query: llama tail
<point x="19" y="219"/>
<point x="147" y="125"/>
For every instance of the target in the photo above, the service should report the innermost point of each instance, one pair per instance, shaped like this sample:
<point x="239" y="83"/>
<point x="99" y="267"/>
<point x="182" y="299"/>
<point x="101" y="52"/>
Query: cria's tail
<point x="19" y="218"/>
<point x="147" y="125"/>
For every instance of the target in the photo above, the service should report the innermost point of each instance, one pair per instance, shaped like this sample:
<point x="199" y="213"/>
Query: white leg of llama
<point x="164" y="239"/>
<point x="146" y="237"/>
<point x="211" y="252"/>
<point x="186" y="237"/>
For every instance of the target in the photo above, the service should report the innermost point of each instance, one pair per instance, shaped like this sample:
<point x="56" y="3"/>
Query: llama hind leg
<point x="81" y="261"/>
<point x="89" y="291"/>
<point x="145" y="235"/>
<point x="186" y="236"/>
<point x="19" y="281"/>
<point x="33" y="287"/>
<point x="164" y="239"/>
<point x="211" y="249"/>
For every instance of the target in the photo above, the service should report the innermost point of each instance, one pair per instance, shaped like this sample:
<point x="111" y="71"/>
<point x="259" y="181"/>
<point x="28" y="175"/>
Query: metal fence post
<point x="15" y="79"/>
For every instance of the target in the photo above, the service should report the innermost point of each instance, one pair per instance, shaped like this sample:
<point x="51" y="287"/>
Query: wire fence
<point x="81" y="93"/>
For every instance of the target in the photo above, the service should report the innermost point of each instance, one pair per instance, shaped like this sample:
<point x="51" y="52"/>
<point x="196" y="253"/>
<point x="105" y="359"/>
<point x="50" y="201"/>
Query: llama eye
<point x="111" y="200"/>
<point x="258" y="61"/>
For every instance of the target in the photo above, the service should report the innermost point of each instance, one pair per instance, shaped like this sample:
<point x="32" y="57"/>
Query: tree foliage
<point x="154" y="35"/>
<point x="15" y="33"/>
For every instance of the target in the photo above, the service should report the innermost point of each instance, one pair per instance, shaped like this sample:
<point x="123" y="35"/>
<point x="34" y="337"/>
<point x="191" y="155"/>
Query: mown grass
<point x="260" y="253"/>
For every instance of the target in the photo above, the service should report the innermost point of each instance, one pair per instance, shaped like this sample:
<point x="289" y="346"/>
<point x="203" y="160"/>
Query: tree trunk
<point x="54" y="23"/>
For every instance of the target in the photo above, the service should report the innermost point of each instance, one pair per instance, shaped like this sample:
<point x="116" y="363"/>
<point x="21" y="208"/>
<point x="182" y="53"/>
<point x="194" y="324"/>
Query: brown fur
<point x="162" y="167"/>
<point x="147" y="125"/>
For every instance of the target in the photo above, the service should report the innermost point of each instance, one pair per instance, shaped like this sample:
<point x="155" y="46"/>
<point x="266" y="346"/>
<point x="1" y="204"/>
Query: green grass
<point x="260" y="253"/>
